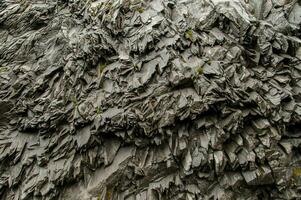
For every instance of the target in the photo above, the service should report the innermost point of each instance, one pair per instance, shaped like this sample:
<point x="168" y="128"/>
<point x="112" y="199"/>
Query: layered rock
<point x="156" y="99"/>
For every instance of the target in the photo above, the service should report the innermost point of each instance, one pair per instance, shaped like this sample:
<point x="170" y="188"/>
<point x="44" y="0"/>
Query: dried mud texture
<point x="154" y="99"/>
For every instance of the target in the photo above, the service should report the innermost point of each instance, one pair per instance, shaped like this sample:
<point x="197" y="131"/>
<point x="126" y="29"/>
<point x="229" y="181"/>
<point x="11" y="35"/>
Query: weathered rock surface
<point x="154" y="99"/>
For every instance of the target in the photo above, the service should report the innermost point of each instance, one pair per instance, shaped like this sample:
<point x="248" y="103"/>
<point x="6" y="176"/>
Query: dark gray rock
<point x="157" y="99"/>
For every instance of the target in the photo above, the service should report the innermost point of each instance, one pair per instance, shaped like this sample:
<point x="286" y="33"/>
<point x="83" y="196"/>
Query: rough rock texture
<point x="154" y="99"/>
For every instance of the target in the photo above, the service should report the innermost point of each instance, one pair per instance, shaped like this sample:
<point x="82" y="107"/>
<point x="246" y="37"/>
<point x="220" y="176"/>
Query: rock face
<point x="154" y="99"/>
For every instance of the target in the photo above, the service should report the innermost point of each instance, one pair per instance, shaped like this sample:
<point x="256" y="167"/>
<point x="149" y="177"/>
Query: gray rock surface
<point x="153" y="99"/>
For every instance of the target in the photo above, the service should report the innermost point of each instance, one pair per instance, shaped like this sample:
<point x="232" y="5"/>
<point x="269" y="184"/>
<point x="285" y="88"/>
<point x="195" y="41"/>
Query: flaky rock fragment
<point x="156" y="99"/>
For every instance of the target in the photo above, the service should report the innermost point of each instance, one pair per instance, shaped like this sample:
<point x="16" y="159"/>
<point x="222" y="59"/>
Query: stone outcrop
<point x="154" y="99"/>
